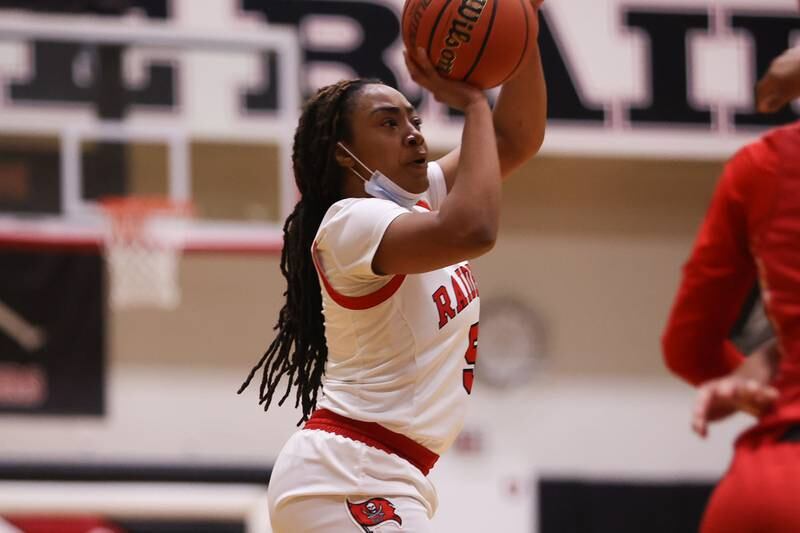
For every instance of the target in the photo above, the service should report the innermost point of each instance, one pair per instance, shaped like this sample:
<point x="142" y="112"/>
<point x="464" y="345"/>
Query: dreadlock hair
<point x="299" y="350"/>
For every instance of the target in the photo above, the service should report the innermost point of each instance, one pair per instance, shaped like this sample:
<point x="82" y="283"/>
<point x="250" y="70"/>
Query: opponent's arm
<point x="716" y="280"/>
<point x="781" y="84"/>
<point x="519" y="116"/>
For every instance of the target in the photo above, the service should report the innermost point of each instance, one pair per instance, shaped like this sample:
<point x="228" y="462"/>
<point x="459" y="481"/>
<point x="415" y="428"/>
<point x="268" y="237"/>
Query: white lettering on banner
<point x="27" y="335"/>
<point x="625" y="77"/>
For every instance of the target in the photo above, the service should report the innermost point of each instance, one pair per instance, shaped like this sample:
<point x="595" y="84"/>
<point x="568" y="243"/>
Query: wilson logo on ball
<point x="469" y="12"/>
<point x="481" y="42"/>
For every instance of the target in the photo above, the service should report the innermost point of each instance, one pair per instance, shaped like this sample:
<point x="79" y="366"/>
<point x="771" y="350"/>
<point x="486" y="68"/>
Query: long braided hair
<point x="299" y="351"/>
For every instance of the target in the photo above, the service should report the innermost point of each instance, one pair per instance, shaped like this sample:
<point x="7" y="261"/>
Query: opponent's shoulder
<point x="751" y="166"/>
<point x="772" y="151"/>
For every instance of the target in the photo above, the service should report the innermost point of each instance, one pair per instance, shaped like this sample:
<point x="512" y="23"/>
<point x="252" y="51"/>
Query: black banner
<point x="618" y="506"/>
<point x="42" y="523"/>
<point x="52" y="333"/>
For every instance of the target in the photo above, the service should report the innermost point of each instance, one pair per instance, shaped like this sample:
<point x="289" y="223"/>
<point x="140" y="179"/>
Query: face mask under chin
<point x="380" y="186"/>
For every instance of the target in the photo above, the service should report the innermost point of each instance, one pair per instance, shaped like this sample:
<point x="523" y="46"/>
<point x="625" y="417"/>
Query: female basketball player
<point x="752" y="229"/>
<point x="381" y="308"/>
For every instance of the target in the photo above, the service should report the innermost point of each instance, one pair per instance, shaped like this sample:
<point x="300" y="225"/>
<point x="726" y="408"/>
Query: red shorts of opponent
<point x="761" y="491"/>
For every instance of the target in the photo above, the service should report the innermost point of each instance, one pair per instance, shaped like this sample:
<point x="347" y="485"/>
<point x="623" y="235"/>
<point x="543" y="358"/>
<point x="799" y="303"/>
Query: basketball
<point x="481" y="42"/>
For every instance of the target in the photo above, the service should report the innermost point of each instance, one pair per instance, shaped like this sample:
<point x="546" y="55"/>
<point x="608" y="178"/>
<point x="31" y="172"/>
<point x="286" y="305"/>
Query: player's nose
<point x="415" y="138"/>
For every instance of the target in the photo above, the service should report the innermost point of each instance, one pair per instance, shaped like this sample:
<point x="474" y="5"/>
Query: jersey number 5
<point x="471" y="356"/>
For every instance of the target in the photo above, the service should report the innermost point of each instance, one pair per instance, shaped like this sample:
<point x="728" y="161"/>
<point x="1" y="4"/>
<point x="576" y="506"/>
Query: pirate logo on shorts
<point x="373" y="512"/>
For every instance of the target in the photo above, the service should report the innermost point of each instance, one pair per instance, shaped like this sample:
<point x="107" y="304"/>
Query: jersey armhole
<point x="356" y="303"/>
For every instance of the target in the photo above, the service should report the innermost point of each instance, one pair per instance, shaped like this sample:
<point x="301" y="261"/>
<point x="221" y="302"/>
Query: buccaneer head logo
<point x="372" y="513"/>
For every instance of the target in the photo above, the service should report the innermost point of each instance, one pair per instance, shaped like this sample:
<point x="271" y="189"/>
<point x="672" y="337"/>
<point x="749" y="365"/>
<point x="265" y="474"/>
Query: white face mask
<point x="379" y="186"/>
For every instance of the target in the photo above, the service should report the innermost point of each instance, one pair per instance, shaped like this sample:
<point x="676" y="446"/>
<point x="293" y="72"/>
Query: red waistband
<point x="375" y="435"/>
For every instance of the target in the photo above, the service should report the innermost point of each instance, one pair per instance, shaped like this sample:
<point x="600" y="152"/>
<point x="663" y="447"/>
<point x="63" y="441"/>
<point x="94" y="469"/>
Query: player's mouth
<point x="421" y="161"/>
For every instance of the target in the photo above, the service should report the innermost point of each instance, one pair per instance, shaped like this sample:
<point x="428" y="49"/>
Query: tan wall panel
<point x="594" y="245"/>
<point x="229" y="305"/>
<point x="148" y="167"/>
<point x="236" y="181"/>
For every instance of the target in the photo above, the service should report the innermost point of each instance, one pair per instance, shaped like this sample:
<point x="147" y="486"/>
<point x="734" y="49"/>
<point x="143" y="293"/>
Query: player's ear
<point x="343" y="157"/>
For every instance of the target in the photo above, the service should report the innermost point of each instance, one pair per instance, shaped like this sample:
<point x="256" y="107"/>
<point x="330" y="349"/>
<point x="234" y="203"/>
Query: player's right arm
<point x="466" y="224"/>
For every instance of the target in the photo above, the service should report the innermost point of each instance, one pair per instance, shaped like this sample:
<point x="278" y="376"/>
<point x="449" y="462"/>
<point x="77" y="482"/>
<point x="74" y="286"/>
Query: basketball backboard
<point x="125" y="108"/>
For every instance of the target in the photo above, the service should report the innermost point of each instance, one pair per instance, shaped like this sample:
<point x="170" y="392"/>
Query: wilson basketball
<point x="481" y="42"/>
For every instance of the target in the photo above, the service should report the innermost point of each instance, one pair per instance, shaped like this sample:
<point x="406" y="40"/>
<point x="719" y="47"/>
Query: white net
<point x="143" y="242"/>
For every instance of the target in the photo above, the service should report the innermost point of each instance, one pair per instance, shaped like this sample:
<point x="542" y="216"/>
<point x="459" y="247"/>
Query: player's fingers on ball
<point x="421" y="57"/>
<point x="416" y="74"/>
<point x="425" y="64"/>
<point x="420" y="75"/>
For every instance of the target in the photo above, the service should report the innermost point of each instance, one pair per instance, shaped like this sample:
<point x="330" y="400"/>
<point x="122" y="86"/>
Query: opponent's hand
<point x="719" y="398"/>
<point x="781" y="84"/>
<point x="456" y="94"/>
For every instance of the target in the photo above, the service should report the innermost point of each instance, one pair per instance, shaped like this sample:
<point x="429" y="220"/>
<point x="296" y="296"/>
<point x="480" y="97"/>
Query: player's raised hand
<point x="455" y="94"/>
<point x="717" y="399"/>
<point x="533" y="23"/>
<point x="781" y="84"/>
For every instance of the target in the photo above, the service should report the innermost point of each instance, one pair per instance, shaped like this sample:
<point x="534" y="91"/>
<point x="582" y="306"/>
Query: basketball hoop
<point x="143" y="242"/>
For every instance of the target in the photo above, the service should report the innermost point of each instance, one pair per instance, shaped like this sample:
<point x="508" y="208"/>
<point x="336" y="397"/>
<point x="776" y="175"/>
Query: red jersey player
<point x="752" y="230"/>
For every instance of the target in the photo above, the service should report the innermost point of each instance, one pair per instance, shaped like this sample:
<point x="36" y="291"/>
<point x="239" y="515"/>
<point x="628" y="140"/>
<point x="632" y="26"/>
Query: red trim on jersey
<point x="358" y="303"/>
<point x="423" y="203"/>
<point x="375" y="435"/>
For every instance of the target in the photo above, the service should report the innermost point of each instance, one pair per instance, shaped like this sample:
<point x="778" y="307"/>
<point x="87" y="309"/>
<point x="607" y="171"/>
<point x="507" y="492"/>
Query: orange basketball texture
<point x="481" y="42"/>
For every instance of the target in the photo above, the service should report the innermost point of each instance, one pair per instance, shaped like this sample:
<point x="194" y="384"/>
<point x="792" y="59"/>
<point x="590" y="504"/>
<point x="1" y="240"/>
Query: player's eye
<point x="417" y="122"/>
<point x="392" y="123"/>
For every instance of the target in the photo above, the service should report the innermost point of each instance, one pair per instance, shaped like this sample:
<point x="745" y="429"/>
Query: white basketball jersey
<point x="401" y="349"/>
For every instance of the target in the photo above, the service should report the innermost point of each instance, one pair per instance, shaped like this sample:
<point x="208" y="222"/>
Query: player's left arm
<point x="716" y="281"/>
<point x="519" y="115"/>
